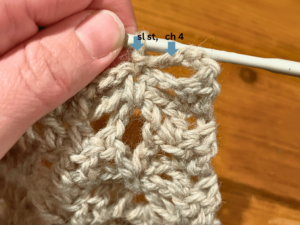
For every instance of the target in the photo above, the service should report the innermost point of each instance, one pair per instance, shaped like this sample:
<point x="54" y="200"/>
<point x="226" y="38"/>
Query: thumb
<point x="43" y="72"/>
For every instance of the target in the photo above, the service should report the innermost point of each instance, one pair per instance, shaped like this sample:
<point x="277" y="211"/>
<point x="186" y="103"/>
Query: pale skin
<point x="41" y="70"/>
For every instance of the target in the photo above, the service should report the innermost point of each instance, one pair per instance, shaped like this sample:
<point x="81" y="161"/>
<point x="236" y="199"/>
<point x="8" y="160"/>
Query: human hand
<point x="41" y="70"/>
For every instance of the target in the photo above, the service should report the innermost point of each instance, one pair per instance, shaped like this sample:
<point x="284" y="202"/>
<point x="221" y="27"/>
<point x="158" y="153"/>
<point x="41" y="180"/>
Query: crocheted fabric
<point x="62" y="171"/>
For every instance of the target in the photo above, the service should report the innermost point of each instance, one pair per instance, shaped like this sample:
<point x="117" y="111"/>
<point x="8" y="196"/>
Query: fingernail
<point x="101" y="33"/>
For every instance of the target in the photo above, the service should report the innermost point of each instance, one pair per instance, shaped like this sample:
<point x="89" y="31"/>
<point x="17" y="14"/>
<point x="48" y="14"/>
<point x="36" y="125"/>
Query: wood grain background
<point x="258" y="111"/>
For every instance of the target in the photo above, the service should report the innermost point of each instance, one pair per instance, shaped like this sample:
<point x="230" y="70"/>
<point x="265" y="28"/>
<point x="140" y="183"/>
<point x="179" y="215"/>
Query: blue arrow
<point x="171" y="48"/>
<point x="136" y="43"/>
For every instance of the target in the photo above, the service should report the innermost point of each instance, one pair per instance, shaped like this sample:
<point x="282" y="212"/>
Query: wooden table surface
<point x="257" y="111"/>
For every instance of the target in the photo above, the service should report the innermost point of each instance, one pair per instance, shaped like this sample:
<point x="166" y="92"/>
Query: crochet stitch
<point x="62" y="171"/>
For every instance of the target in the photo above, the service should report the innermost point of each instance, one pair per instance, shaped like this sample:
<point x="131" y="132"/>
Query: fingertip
<point x="101" y="33"/>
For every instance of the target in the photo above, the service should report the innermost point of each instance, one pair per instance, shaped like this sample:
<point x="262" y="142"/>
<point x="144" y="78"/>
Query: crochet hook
<point x="271" y="64"/>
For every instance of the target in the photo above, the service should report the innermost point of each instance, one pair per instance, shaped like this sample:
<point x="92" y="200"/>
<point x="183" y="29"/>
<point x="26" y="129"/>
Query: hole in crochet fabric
<point x="92" y="192"/>
<point x="67" y="126"/>
<point x="179" y="71"/>
<point x="115" y="191"/>
<point x="133" y="131"/>
<point x="136" y="78"/>
<point x="163" y="153"/>
<point x="176" y="71"/>
<point x="153" y="53"/>
<point x="140" y="199"/>
<point x="195" y="179"/>
<point x="171" y="92"/>
<point x="100" y="123"/>
<point x="39" y="128"/>
<point x="46" y="163"/>
<point x="137" y="112"/>
<point x="166" y="177"/>
<point x="117" y="222"/>
<point x="192" y="122"/>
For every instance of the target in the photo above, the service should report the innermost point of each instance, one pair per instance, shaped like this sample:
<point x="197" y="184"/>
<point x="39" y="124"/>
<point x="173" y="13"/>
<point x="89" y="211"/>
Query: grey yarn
<point x="61" y="171"/>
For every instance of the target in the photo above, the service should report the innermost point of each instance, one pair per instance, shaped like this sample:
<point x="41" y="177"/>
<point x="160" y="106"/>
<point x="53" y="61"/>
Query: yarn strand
<point x="62" y="171"/>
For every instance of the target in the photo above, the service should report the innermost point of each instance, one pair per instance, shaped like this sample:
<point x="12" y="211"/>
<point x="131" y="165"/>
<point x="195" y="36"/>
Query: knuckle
<point x="44" y="73"/>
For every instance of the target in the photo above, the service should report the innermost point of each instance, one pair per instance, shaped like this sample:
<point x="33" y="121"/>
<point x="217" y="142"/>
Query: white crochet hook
<point x="271" y="64"/>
